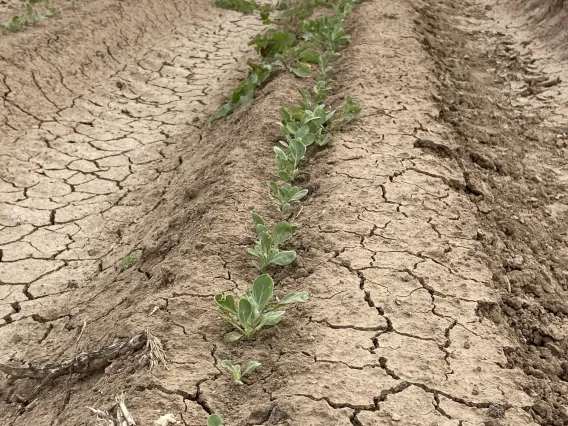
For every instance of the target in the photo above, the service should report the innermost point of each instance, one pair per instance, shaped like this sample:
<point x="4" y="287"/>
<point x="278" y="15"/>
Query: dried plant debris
<point x="122" y="416"/>
<point x="86" y="362"/>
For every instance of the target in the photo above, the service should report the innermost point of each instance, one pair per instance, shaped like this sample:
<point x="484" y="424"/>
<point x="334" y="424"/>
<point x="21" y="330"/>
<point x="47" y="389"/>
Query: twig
<point x="84" y="362"/>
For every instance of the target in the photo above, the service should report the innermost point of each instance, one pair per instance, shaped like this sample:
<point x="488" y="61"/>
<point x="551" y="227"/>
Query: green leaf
<point x="262" y="290"/>
<point x="282" y="232"/>
<point x="226" y="303"/>
<point x="284" y="258"/>
<point x="299" y="297"/>
<point x="232" y="336"/>
<point x="222" y="112"/>
<point x="227" y="364"/>
<point x="301" y="69"/>
<point x="299" y="195"/>
<point x="253" y="365"/>
<point x="253" y="252"/>
<point x="298" y="149"/>
<point x="302" y="132"/>
<point x="309" y="139"/>
<point x="256" y="218"/>
<point x="214" y="420"/>
<point x="272" y="318"/>
<point x="245" y="311"/>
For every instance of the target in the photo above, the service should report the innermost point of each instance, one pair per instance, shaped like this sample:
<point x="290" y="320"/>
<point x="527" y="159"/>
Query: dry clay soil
<point x="433" y="242"/>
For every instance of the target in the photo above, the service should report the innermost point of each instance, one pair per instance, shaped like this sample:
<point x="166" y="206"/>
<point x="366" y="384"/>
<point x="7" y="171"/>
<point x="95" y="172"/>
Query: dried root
<point x="123" y="416"/>
<point x="86" y="362"/>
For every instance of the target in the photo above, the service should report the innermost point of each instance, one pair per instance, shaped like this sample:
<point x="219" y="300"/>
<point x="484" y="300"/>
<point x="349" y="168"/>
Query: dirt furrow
<point x="81" y="134"/>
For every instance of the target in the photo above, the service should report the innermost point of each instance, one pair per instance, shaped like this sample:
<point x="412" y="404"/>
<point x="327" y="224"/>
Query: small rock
<point x="481" y="235"/>
<point x="554" y="348"/>
<point x="496" y="411"/>
<point x="484" y="207"/>
<point x="475" y="390"/>
<point x="395" y="417"/>
<point x="466" y="345"/>
<point x="166" y="420"/>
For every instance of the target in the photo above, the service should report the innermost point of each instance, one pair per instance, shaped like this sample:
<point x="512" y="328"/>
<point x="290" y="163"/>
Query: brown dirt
<point x="433" y="242"/>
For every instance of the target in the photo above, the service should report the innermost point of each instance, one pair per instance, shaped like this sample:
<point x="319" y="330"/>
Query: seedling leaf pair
<point x="284" y="195"/>
<point x="255" y="310"/>
<point x="349" y="112"/>
<point x="243" y="95"/>
<point x="266" y="249"/>
<point x="235" y="370"/>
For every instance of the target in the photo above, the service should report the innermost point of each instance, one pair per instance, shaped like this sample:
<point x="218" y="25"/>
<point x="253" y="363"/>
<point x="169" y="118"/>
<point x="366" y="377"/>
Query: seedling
<point x="266" y="249"/>
<point x="306" y="121"/>
<point x="243" y="95"/>
<point x="51" y="9"/>
<point x="128" y="261"/>
<point x="14" y="25"/>
<point x="214" y="420"/>
<point x="327" y="31"/>
<point x="243" y="6"/>
<point x="32" y="15"/>
<point x="284" y="195"/>
<point x="236" y="370"/>
<point x="350" y="111"/>
<point x="288" y="161"/>
<point x="272" y="42"/>
<point x="257" y="309"/>
<point x="325" y="68"/>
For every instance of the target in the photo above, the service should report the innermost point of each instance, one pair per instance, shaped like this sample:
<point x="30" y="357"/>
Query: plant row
<point x="32" y="17"/>
<point x="294" y="44"/>
<point x="305" y="48"/>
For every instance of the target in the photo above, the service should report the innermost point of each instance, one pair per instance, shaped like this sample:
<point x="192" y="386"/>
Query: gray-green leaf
<point x="245" y="311"/>
<point x="214" y="420"/>
<point x="299" y="297"/>
<point x="226" y="303"/>
<point x="232" y="336"/>
<point x="284" y="258"/>
<point x="253" y="365"/>
<point x="256" y="219"/>
<point x="262" y="290"/>
<point x="272" y="318"/>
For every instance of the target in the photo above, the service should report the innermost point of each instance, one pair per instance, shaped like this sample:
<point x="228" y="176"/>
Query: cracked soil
<point x="433" y="243"/>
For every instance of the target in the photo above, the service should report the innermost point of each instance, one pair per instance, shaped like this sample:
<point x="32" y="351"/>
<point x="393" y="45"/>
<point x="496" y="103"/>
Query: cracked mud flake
<point x="337" y="383"/>
<point x="413" y="406"/>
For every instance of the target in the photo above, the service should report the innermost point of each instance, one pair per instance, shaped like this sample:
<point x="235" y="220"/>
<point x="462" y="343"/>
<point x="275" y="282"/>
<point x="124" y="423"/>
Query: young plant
<point x="244" y="6"/>
<point x="288" y="161"/>
<point x="243" y="95"/>
<point x="266" y="249"/>
<point x="236" y="370"/>
<point x="51" y="9"/>
<point x="306" y="121"/>
<point x="284" y="195"/>
<point x="326" y="30"/>
<point x="128" y="261"/>
<point x="14" y="25"/>
<point x="350" y="111"/>
<point x="32" y="15"/>
<point x="298" y="59"/>
<point x="272" y="42"/>
<point x="257" y="309"/>
<point x="214" y="420"/>
<point x="325" y="69"/>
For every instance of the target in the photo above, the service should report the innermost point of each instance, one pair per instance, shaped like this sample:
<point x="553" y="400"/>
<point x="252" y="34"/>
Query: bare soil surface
<point x="433" y="243"/>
